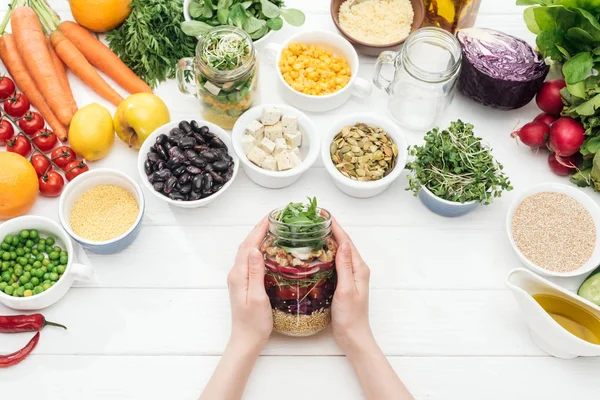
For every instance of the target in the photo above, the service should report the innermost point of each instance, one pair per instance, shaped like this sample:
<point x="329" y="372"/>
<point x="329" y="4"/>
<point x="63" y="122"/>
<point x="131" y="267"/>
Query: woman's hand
<point x="251" y="314"/>
<point x="251" y="323"/>
<point x="350" y="308"/>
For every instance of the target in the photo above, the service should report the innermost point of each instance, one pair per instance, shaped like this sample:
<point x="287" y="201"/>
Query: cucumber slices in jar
<point x="590" y="288"/>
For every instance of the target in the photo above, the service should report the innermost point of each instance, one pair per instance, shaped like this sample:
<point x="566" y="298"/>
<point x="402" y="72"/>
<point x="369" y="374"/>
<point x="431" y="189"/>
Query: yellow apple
<point x="138" y="116"/>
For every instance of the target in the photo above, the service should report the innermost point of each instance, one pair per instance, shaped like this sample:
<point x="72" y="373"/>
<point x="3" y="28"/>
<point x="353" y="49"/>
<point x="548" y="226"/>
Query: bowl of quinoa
<point x="555" y="230"/>
<point x="102" y="210"/>
<point x="373" y="26"/>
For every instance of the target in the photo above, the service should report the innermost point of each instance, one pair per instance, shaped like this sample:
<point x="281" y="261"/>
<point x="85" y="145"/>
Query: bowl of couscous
<point x="317" y="71"/>
<point x="374" y="26"/>
<point x="102" y="210"/>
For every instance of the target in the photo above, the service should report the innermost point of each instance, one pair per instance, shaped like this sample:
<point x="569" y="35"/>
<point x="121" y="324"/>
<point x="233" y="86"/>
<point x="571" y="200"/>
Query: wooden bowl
<point x="376" y="49"/>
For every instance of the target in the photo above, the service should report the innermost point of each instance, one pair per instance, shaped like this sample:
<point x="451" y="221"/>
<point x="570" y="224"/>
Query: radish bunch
<point x="563" y="136"/>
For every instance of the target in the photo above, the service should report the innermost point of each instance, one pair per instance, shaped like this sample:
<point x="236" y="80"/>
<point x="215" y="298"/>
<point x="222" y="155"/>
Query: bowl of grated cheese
<point x="373" y="26"/>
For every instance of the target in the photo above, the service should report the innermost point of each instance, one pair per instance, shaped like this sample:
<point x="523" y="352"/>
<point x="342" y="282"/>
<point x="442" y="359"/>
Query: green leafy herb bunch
<point x="455" y="165"/>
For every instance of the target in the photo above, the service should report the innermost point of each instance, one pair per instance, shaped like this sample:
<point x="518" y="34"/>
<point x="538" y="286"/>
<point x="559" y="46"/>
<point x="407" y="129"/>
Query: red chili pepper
<point x="18" y="356"/>
<point x="25" y="323"/>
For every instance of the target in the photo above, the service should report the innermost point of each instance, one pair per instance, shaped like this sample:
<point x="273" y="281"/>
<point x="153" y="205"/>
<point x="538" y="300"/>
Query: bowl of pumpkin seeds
<point x="364" y="153"/>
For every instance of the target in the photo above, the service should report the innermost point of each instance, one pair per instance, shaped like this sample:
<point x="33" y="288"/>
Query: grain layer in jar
<point x="300" y="277"/>
<point x="227" y="75"/>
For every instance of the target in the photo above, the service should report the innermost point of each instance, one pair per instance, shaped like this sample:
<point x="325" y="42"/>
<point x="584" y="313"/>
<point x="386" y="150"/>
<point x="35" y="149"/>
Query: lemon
<point x="91" y="134"/>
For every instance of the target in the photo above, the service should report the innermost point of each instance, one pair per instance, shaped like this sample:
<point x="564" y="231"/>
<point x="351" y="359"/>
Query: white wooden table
<point x="156" y="320"/>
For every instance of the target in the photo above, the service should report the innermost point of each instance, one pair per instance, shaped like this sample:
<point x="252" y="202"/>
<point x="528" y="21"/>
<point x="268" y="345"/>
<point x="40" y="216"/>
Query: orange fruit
<point x="19" y="186"/>
<point x="100" y="15"/>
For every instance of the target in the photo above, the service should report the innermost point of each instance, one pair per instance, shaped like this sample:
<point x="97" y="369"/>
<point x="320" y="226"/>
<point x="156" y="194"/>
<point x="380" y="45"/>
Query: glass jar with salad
<point x="300" y="276"/>
<point x="225" y="75"/>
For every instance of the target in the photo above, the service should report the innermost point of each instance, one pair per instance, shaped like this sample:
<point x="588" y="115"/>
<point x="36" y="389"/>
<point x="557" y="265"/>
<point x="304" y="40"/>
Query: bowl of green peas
<point x="36" y="265"/>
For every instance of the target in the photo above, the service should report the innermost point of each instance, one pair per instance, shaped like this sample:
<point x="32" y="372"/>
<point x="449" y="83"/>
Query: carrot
<point x="31" y="43"/>
<point x="77" y="63"/>
<point x="101" y="57"/>
<point x="62" y="74"/>
<point x="16" y="68"/>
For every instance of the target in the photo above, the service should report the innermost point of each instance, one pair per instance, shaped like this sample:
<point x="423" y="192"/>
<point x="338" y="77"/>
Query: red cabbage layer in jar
<point x="300" y="276"/>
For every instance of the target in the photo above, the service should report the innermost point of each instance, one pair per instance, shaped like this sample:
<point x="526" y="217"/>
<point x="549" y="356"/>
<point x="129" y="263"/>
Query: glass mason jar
<point x="300" y="275"/>
<point x="451" y="15"/>
<point x="425" y="75"/>
<point x="224" y="93"/>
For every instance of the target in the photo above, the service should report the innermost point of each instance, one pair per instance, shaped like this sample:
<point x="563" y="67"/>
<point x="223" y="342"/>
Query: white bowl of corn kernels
<point x="102" y="210"/>
<point x="328" y="45"/>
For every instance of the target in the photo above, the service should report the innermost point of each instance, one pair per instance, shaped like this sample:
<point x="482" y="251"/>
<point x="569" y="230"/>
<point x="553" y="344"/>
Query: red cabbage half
<point x="499" y="70"/>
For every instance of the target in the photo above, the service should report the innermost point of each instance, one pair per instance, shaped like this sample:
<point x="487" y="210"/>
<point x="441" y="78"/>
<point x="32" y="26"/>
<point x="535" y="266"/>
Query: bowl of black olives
<point x="188" y="163"/>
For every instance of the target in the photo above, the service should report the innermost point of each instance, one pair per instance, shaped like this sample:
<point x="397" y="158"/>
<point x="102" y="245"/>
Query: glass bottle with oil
<point x="451" y="15"/>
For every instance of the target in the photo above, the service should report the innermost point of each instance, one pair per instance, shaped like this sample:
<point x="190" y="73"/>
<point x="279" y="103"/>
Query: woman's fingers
<point x="339" y="233"/>
<point x="252" y="241"/>
<point x="341" y="236"/>
<point x="256" y="274"/>
<point x="343" y="265"/>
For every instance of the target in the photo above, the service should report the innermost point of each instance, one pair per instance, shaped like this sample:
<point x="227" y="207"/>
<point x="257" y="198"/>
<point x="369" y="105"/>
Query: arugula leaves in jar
<point x="301" y="226"/>
<point x="256" y="17"/>
<point x="456" y="166"/>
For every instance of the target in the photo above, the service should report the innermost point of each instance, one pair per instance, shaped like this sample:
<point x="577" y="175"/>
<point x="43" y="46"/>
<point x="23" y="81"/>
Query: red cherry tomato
<point x="41" y="164"/>
<point x="31" y="122"/>
<point x="7" y="87"/>
<point x="51" y="184"/>
<point x="45" y="140"/>
<point x="75" y="169"/>
<point x="63" y="156"/>
<point x="19" y="145"/>
<point x="17" y="105"/>
<point x="6" y="131"/>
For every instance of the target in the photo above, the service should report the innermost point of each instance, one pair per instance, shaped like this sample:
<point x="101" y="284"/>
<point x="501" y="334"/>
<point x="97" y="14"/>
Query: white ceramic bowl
<point x="309" y="150"/>
<point x="364" y="189"/>
<point x="74" y="271"/>
<point x="339" y="46"/>
<point x="187" y="17"/>
<point x="149" y="142"/>
<point x="87" y="181"/>
<point x="576" y="194"/>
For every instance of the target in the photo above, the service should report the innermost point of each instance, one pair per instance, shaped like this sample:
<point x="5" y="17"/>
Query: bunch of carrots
<point x="37" y="51"/>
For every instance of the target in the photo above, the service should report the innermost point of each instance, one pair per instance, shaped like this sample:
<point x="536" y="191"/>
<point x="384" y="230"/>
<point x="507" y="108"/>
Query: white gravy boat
<point x="545" y="331"/>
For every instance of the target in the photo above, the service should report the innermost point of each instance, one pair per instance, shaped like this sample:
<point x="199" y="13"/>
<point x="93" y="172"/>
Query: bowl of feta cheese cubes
<point x="276" y="144"/>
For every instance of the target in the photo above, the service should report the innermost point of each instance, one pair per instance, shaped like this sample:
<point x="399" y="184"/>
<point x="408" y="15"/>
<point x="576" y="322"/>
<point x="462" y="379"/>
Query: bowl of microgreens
<point x="259" y="18"/>
<point x="454" y="171"/>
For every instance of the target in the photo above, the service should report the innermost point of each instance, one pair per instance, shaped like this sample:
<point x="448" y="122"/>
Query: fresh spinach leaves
<point x="256" y="17"/>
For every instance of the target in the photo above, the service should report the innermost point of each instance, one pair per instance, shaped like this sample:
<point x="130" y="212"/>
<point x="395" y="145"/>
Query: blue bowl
<point x="87" y="181"/>
<point x="443" y="207"/>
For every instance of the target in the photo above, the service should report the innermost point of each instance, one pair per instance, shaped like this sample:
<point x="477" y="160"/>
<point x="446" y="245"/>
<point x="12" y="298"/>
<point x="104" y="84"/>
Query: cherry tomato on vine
<point x="6" y="131"/>
<point x="19" y="145"/>
<point x="41" y="164"/>
<point x="31" y="122"/>
<point x="7" y="87"/>
<point x="75" y="169"/>
<point x="17" y="105"/>
<point x="45" y="140"/>
<point x="63" y="156"/>
<point x="51" y="184"/>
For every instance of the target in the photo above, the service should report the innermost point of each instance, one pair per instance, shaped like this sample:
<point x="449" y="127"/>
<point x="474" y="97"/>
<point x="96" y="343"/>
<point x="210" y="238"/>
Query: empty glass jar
<point x="300" y="275"/>
<point x="424" y="80"/>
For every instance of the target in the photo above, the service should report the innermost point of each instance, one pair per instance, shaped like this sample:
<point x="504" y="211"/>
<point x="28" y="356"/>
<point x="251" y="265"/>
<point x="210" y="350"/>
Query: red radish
<point x="549" y="99"/>
<point x="563" y="166"/>
<point x="566" y="136"/>
<point x="533" y="134"/>
<point x="545" y="119"/>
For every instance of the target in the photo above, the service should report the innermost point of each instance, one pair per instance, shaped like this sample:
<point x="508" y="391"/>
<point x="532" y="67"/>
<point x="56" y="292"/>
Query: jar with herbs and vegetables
<point x="225" y="72"/>
<point x="300" y="276"/>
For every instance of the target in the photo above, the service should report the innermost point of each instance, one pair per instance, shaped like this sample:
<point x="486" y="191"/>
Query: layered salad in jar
<point x="300" y="276"/>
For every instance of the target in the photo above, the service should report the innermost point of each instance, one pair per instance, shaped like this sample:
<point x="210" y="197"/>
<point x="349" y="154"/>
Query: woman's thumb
<point x="343" y="264"/>
<point x="256" y="271"/>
